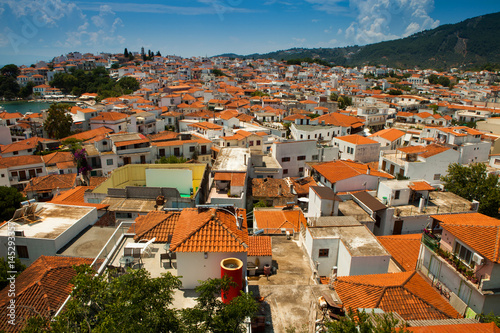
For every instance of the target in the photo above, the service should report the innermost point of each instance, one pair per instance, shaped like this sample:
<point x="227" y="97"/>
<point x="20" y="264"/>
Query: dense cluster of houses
<point x="265" y="153"/>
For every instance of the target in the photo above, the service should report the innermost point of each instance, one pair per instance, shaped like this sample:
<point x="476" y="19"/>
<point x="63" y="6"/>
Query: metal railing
<point x="431" y="242"/>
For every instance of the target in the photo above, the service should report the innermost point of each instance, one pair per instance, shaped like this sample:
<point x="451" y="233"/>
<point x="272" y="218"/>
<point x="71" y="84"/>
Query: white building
<point x="55" y="226"/>
<point x="357" y="148"/>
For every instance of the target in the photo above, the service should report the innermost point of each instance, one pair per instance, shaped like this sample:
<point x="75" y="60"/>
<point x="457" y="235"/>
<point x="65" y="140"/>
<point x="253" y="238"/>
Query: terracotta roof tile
<point x="480" y="232"/>
<point x="421" y="186"/>
<point x="87" y="135"/>
<point x="340" y="170"/>
<point x="210" y="230"/>
<point x="31" y="143"/>
<point x="259" y="246"/>
<point x="424" y="151"/>
<point x="109" y="116"/>
<point x="457" y="328"/>
<point x="50" y="182"/>
<point x="236" y="178"/>
<point x="58" y="157"/>
<point x="356" y="139"/>
<point x="407" y="294"/>
<point x="41" y="288"/>
<point x="274" y="220"/>
<point x="390" y="134"/>
<point x="404" y="249"/>
<point x="156" y="224"/>
<point x="269" y="187"/>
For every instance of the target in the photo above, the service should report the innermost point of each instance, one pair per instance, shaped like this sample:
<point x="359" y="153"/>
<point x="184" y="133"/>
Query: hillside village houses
<point x="260" y="165"/>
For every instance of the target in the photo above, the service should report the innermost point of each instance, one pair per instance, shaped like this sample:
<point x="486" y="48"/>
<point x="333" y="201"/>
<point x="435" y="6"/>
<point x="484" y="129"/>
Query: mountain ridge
<point x="470" y="43"/>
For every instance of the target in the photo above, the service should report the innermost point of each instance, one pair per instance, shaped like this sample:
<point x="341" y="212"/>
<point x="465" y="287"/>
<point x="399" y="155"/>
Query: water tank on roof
<point x="232" y="267"/>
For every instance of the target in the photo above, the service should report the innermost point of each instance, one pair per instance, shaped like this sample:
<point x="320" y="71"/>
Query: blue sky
<point x="39" y="30"/>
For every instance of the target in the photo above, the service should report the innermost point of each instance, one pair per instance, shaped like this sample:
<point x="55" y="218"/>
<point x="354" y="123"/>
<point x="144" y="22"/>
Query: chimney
<point x="280" y="191"/>
<point x="368" y="170"/>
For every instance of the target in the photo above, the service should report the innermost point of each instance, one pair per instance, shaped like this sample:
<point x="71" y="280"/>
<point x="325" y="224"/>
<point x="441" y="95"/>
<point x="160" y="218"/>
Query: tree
<point x="171" y="159"/>
<point x="359" y="322"/>
<point x="490" y="318"/>
<point x="135" y="302"/>
<point x="260" y="203"/>
<point x="344" y="101"/>
<point x="158" y="54"/>
<point x="10" y="200"/>
<point x="210" y="314"/>
<point x="10" y="70"/>
<point x="58" y="122"/>
<point x="128" y="84"/>
<point x="27" y="90"/>
<point x="125" y="53"/>
<point x="473" y="183"/>
<point x="5" y="267"/>
<point x="334" y="97"/>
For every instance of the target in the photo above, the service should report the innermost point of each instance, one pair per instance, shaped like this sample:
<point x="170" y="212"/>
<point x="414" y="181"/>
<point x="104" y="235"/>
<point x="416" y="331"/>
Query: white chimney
<point x="368" y="170"/>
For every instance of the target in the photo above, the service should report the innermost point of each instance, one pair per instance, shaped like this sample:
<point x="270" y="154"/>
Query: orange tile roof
<point x="424" y="151"/>
<point x="340" y="170"/>
<point x="404" y="249"/>
<point x="277" y="219"/>
<point x="236" y="178"/>
<point x="301" y="185"/>
<point x="210" y="230"/>
<point x="163" y="136"/>
<point x="457" y="328"/>
<point x="156" y="224"/>
<point x="406" y="293"/>
<point x="206" y="125"/>
<point x="130" y="142"/>
<point x="58" y="157"/>
<point x="259" y="246"/>
<point x="356" y="139"/>
<point x="390" y="134"/>
<point x="13" y="161"/>
<point x="421" y="186"/>
<point x="338" y="119"/>
<point x="50" y="182"/>
<point x="269" y="188"/>
<point x="41" y="288"/>
<point x="480" y="232"/>
<point x="8" y="115"/>
<point x="31" y="143"/>
<point x="87" y="135"/>
<point x="109" y="116"/>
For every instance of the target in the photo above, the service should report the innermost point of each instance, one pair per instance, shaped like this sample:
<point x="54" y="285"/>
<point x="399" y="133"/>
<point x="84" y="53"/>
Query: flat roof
<point x="130" y="205"/>
<point x="351" y="208"/>
<point x="358" y="240"/>
<point x="232" y="159"/>
<point x="369" y="201"/>
<point x="335" y="221"/>
<point x="52" y="220"/>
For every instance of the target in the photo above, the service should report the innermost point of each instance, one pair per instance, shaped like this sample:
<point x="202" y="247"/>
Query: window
<point x="301" y="136"/>
<point x="285" y="171"/>
<point x="308" y="137"/>
<point x="437" y="176"/>
<point x="315" y="157"/>
<point x="258" y="143"/>
<point x="301" y="158"/>
<point x="250" y="143"/>
<point x="109" y="161"/>
<point x="396" y="194"/>
<point x="120" y="127"/>
<point x="3" y="175"/>
<point x="105" y="143"/>
<point x="22" y="251"/>
<point x="15" y="153"/>
<point x="30" y="150"/>
<point x="463" y="253"/>
<point x="301" y="169"/>
<point x="229" y="144"/>
<point x="191" y="149"/>
<point x="323" y="253"/>
<point x="285" y="159"/>
<point x="13" y="173"/>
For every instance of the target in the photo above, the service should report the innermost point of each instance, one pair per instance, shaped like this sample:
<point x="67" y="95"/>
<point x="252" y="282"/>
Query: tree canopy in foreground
<point x="135" y="302"/>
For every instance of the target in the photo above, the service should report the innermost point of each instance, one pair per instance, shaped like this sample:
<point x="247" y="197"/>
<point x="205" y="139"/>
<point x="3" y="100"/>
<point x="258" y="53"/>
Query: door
<point x="384" y="164"/>
<point x="177" y="151"/>
<point x="143" y="159"/>
<point x="203" y="150"/>
<point x="391" y="171"/>
<point x="126" y="160"/>
<point x="22" y="175"/>
<point x="32" y="173"/>
<point x="398" y="226"/>
<point x="162" y="152"/>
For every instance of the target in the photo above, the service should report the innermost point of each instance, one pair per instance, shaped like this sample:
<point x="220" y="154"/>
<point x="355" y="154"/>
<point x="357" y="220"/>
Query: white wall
<point x="344" y="261"/>
<point x="192" y="266"/>
<point x="369" y="265"/>
<point x="356" y="183"/>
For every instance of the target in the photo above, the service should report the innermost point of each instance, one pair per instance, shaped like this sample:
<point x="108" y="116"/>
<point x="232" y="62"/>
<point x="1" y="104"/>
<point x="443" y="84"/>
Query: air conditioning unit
<point x="478" y="259"/>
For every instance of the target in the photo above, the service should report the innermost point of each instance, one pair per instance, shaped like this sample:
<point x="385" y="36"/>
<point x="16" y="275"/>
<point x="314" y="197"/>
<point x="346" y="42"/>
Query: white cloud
<point x="379" y="20"/>
<point x="314" y="20"/>
<point x="299" y="40"/>
<point x="328" y="6"/>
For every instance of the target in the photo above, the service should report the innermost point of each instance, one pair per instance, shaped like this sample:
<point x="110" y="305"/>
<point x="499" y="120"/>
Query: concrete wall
<point x="324" y="264"/>
<point x="477" y="152"/>
<point x="356" y="183"/>
<point x="344" y="261"/>
<point x="437" y="164"/>
<point x="369" y="265"/>
<point x="181" y="179"/>
<point x="193" y="266"/>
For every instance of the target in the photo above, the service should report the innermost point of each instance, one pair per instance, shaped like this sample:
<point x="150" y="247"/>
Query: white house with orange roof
<point x="467" y="141"/>
<point x="460" y="252"/>
<point x="16" y="171"/>
<point x="357" y="148"/>
<point x="145" y="123"/>
<point x="206" y="129"/>
<point x="114" y="120"/>
<point x="419" y="162"/>
<point x="203" y="237"/>
<point x="243" y="139"/>
<point x="389" y="138"/>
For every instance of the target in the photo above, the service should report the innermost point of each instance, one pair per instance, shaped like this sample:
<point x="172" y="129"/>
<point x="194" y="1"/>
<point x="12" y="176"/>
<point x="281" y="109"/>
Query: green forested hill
<point x="470" y="43"/>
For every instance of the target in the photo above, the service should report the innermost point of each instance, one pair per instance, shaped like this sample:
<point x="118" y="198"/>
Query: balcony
<point x="431" y="241"/>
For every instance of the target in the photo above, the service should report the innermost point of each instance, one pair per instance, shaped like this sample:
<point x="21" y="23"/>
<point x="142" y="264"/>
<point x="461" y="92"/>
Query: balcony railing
<point x="431" y="241"/>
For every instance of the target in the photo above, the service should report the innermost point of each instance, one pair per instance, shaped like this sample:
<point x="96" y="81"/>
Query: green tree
<point x="10" y="70"/>
<point x="10" y="200"/>
<point x="9" y="88"/>
<point x="334" y="97"/>
<point x="344" y="101"/>
<point x="210" y="314"/>
<point x="128" y="84"/>
<point x="473" y="183"/>
<point x="125" y="53"/>
<point x="171" y="159"/>
<point x="5" y="267"/>
<point x="218" y="72"/>
<point x="395" y="92"/>
<point x="490" y="318"/>
<point x="27" y="90"/>
<point x="260" y="203"/>
<point x="58" y="122"/>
